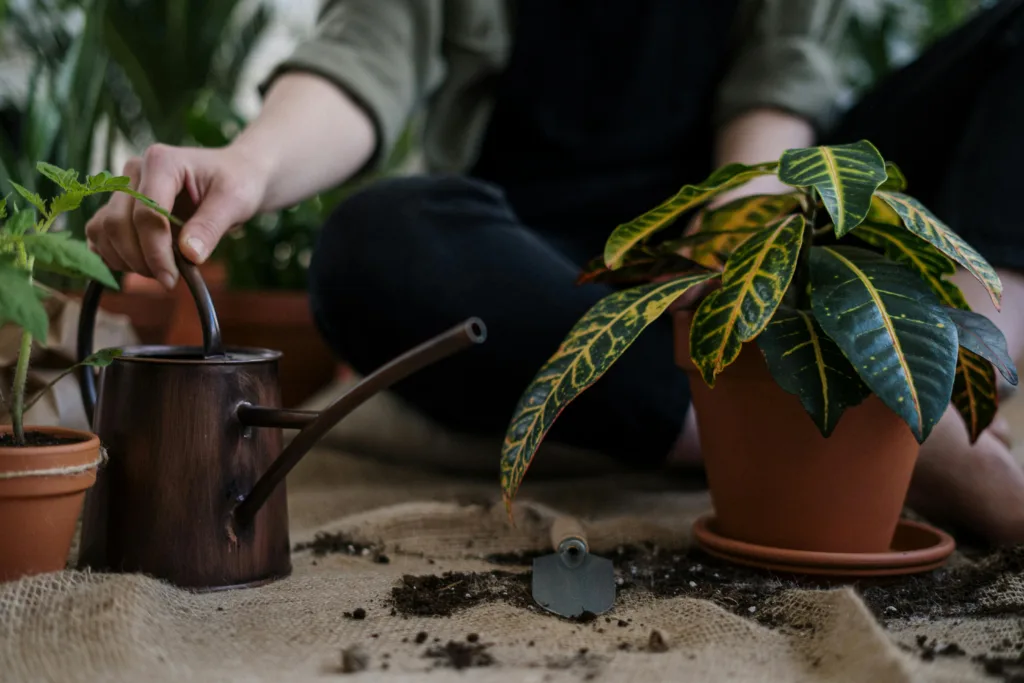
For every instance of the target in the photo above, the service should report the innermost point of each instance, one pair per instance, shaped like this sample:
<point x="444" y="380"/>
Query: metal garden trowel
<point x="571" y="581"/>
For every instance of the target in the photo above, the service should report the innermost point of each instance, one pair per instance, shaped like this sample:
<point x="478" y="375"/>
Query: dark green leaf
<point x="58" y="253"/>
<point x="980" y="335"/>
<point x="890" y="325"/>
<point x="3" y="208"/>
<point x="845" y="176"/>
<point x="805" y="362"/>
<point x="592" y="346"/>
<point x="32" y="198"/>
<point x="19" y="301"/>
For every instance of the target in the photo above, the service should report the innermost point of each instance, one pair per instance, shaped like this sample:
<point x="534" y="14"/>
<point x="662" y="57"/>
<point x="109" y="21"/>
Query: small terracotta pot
<point x="775" y="481"/>
<point x="39" y="511"/>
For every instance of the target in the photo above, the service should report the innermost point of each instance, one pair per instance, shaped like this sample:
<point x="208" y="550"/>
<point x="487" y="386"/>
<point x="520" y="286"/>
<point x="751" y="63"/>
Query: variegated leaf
<point x="845" y="176"/>
<point x="642" y="265"/>
<point x="591" y="347"/>
<point x="975" y="394"/>
<point x="980" y="335"/>
<point x="628" y="235"/>
<point x="923" y="223"/>
<point x="805" y="362"/>
<point x="733" y="223"/>
<point x="753" y="284"/>
<point x="895" y="180"/>
<point x="891" y="327"/>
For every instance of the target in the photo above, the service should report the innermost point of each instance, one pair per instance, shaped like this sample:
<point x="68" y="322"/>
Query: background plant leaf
<point x="980" y="335"/>
<point x="845" y="176"/>
<point x="891" y="327"/>
<point x="56" y="252"/>
<point x="975" y="394"/>
<point x="753" y="284"/>
<point x="734" y="222"/>
<point x="923" y="223"/>
<point x="591" y="347"/>
<point x="628" y="235"/>
<point x="805" y="362"/>
<point x="20" y="301"/>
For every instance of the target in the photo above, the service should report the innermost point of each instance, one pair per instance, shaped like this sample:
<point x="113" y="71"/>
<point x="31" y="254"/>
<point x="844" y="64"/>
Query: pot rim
<point x="163" y="354"/>
<point x="88" y="440"/>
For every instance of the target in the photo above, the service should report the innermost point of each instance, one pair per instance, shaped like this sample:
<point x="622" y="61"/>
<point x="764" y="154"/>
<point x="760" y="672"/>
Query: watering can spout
<point x="316" y="425"/>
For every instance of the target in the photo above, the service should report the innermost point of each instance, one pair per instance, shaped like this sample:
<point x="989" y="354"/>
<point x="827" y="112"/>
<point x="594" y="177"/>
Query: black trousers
<point x="407" y="258"/>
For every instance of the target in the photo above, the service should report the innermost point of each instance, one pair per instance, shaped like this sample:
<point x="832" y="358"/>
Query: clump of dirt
<point x="328" y="543"/>
<point x="358" y="614"/>
<point x="460" y="656"/>
<point x="325" y="543"/>
<point x="1010" y="668"/>
<point x="442" y="596"/>
<point x="36" y="440"/>
<point x="354" y="659"/>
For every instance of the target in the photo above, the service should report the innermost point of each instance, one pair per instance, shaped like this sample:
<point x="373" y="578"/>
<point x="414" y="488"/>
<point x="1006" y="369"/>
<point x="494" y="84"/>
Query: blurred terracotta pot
<point x="775" y="481"/>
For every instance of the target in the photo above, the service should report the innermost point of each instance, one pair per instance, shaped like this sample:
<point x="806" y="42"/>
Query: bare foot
<point x="978" y="488"/>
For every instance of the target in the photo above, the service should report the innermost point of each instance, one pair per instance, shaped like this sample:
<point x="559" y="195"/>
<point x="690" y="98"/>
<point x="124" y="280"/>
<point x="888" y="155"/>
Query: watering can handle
<point x="213" y="345"/>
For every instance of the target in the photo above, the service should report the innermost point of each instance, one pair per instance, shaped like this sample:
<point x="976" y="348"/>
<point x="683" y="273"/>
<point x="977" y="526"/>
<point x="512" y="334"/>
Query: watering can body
<point x="193" y="488"/>
<point x="179" y="462"/>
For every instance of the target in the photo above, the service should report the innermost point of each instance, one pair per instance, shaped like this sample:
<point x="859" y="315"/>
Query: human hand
<point x="223" y="187"/>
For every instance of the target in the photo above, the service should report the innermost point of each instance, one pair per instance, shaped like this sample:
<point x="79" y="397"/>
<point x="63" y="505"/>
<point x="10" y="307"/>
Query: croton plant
<point x="30" y="241"/>
<point x="841" y="283"/>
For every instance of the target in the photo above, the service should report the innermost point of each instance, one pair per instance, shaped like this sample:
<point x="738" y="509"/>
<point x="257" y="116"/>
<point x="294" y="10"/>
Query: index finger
<point x="161" y="179"/>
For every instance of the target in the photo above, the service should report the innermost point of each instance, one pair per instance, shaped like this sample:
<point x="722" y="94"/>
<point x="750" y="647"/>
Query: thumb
<point x="217" y="213"/>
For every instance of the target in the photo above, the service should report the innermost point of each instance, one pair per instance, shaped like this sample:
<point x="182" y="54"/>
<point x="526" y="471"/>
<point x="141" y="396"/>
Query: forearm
<point x="309" y="136"/>
<point x="758" y="136"/>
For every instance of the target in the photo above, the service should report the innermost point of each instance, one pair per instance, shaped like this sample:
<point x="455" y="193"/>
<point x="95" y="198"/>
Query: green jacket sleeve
<point x="384" y="53"/>
<point x="788" y="59"/>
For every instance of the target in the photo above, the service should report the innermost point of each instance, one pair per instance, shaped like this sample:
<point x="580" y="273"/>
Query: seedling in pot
<point x="29" y="243"/>
<point x="842" y="283"/>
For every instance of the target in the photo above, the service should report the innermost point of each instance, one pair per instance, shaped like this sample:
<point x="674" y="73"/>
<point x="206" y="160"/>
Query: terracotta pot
<point x="775" y="481"/>
<point x="39" y="512"/>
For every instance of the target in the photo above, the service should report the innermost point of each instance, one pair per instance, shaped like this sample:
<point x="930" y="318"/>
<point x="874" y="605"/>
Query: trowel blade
<point x="589" y="587"/>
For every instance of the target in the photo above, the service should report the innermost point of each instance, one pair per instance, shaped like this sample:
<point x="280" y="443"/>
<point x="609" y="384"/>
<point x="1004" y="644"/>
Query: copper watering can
<point x="193" y="491"/>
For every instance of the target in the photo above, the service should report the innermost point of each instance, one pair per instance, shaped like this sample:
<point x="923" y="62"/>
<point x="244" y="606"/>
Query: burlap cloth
<point x="74" y="626"/>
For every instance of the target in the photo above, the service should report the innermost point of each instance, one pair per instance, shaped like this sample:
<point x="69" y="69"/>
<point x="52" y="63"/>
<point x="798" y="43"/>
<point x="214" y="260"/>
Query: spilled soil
<point x="973" y="589"/>
<point x="442" y="596"/>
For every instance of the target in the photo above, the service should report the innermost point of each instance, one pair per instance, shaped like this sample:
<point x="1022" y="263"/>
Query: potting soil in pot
<point x="402" y="573"/>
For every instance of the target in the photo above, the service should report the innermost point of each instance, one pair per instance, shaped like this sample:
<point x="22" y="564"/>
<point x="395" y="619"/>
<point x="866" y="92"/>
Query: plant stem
<point x="20" y="380"/>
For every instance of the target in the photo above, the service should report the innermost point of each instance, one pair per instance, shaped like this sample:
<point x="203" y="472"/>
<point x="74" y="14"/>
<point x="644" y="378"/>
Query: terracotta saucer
<point x="916" y="548"/>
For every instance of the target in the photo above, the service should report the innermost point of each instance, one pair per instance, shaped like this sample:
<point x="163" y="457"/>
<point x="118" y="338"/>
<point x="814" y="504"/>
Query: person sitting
<point x="546" y="124"/>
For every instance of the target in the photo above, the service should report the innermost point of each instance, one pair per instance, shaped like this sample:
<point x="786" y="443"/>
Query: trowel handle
<point x="565" y="529"/>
